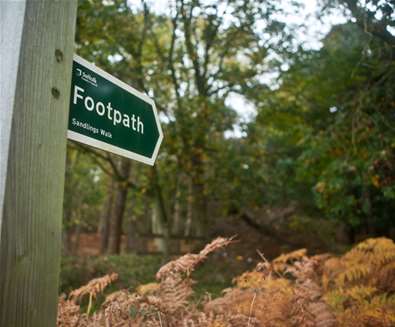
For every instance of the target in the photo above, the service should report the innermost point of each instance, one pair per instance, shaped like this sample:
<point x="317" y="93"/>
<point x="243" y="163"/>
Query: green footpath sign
<point x="110" y="115"/>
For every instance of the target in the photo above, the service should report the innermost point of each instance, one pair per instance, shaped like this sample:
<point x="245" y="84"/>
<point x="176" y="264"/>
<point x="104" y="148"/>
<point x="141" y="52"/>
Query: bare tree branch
<point x="192" y="53"/>
<point x="366" y="20"/>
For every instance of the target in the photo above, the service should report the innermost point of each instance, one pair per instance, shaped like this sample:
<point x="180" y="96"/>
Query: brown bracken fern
<point x="293" y="290"/>
<point x="94" y="287"/>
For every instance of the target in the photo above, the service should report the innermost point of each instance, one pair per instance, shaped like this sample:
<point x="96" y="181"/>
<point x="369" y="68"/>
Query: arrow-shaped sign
<point x="110" y="115"/>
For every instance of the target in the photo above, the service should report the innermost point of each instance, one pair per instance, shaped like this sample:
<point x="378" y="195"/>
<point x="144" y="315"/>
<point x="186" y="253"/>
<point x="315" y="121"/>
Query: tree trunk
<point x="76" y="241"/>
<point x="197" y="209"/>
<point x="176" y="223"/>
<point x="131" y="237"/>
<point x="200" y="221"/>
<point x="190" y="209"/>
<point x="104" y="227"/>
<point x="67" y="242"/>
<point x="121" y="193"/>
<point x="160" y="228"/>
<point x="161" y="216"/>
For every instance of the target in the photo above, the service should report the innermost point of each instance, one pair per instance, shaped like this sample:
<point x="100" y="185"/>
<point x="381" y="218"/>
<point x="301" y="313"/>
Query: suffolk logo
<point x="87" y="77"/>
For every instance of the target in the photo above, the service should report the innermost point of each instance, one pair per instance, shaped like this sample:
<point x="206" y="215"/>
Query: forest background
<point x="284" y="140"/>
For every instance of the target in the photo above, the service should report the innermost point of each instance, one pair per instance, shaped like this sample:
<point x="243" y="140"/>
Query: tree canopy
<point x="322" y="139"/>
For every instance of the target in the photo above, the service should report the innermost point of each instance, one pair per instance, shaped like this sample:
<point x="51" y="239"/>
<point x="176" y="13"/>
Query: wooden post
<point x="37" y="40"/>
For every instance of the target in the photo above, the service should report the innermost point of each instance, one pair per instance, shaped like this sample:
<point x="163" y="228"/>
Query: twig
<point x="88" y="311"/>
<point x="251" y="308"/>
<point x="267" y="261"/>
<point x="262" y="256"/>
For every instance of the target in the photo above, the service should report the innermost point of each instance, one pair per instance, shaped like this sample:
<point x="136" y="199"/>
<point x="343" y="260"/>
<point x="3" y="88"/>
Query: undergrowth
<point x="356" y="289"/>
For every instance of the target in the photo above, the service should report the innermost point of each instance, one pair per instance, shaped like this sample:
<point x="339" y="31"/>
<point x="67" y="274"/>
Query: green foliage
<point x="328" y="129"/>
<point x="323" y="137"/>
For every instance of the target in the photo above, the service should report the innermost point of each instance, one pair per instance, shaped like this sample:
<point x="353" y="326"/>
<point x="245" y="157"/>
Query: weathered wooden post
<point x="36" y="52"/>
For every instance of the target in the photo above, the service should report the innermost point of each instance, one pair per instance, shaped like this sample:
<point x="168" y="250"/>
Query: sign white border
<point x="112" y="148"/>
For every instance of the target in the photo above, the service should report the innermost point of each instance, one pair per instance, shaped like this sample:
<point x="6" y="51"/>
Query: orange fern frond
<point x="94" y="287"/>
<point x="187" y="263"/>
